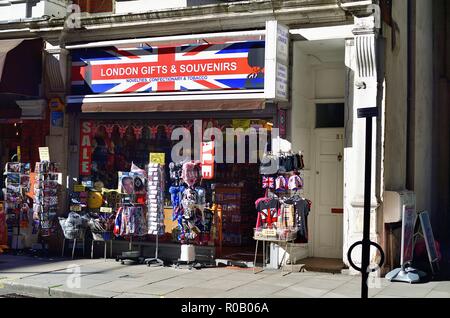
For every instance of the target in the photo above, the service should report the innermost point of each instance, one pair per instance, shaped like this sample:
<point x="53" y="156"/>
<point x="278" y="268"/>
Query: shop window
<point x="330" y="115"/>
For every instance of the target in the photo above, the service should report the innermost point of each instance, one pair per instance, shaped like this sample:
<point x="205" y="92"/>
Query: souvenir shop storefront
<point x="23" y="111"/>
<point x="127" y="99"/>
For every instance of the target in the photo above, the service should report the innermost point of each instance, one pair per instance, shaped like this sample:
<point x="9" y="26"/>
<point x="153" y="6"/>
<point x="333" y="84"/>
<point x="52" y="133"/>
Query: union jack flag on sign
<point x="146" y="69"/>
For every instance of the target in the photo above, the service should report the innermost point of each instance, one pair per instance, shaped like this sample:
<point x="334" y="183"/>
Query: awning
<point x="168" y="106"/>
<point x="21" y="66"/>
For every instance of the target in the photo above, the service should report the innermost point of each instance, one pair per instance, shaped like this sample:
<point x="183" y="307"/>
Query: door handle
<point x="339" y="157"/>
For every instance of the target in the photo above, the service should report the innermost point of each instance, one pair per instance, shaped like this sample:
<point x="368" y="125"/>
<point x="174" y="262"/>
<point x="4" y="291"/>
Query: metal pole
<point x="365" y="259"/>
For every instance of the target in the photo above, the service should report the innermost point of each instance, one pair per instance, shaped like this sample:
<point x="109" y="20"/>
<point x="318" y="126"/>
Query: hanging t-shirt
<point x="302" y="208"/>
<point x="267" y="212"/>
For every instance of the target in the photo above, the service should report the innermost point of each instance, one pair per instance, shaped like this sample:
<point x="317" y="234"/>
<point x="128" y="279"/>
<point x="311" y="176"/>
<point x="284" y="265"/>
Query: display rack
<point x="46" y="196"/>
<point x="281" y="187"/>
<point x="17" y="184"/>
<point x="155" y="209"/>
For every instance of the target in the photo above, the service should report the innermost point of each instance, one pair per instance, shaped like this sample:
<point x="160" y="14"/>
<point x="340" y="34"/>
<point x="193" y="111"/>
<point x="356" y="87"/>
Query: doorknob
<point x="317" y="172"/>
<point x="339" y="157"/>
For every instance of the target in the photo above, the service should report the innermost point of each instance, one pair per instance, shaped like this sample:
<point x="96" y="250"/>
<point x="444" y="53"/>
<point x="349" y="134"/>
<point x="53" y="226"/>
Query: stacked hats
<point x="155" y="199"/>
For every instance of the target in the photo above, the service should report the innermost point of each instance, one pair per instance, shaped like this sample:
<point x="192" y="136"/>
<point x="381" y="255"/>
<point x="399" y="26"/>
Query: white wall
<point x="147" y="5"/>
<point x="14" y="10"/>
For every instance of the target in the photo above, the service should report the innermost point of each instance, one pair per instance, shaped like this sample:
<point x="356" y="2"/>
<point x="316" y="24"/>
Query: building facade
<point x="344" y="55"/>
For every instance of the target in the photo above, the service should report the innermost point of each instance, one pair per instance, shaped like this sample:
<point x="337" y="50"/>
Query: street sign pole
<point x="368" y="114"/>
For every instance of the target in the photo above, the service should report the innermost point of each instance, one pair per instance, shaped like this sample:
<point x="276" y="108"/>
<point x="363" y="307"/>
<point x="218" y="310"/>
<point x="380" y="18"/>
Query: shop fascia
<point x="158" y="70"/>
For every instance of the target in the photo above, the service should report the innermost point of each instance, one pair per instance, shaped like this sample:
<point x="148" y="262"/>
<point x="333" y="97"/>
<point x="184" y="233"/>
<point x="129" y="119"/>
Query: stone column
<point x="363" y="91"/>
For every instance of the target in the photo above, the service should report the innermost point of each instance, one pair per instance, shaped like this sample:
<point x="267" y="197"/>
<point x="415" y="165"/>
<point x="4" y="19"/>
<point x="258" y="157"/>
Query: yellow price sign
<point x="158" y="157"/>
<point x="79" y="188"/>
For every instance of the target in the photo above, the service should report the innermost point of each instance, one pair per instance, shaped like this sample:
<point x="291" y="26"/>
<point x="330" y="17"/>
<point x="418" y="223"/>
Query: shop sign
<point x="57" y="119"/>
<point x="427" y="232"/>
<point x="19" y="154"/>
<point x="85" y="148"/>
<point x="282" y="122"/>
<point x="207" y="160"/>
<point x="408" y="225"/>
<point x="55" y="104"/>
<point x="158" y="158"/>
<point x="186" y="68"/>
<point x="277" y="61"/>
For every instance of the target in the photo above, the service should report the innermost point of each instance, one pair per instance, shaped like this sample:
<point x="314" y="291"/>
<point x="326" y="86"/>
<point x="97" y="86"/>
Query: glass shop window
<point x="330" y="115"/>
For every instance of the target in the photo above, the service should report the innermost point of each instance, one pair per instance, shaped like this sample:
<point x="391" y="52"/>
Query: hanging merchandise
<point x="282" y="213"/>
<point x="45" y="205"/>
<point x="281" y="162"/>
<point x="16" y="210"/>
<point x="155" y="206"/>
<point x="189" y="204"/>
<point x="131" y="212"/>
<point x="155" y="199"/>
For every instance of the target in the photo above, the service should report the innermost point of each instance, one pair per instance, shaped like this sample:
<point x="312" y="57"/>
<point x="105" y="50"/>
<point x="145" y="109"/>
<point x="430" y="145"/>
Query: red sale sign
<point x="86" y="137"/>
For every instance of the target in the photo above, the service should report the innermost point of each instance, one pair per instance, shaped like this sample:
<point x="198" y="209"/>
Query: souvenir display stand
<point x="100" y="208"/>
<point x="45" y="206"/>
<point x="131" y="219"/>
<point x="189" y="203"/>
<point x="282" y="212"/>
<point x="155" y="208"/>
<point x="16" y="207"/>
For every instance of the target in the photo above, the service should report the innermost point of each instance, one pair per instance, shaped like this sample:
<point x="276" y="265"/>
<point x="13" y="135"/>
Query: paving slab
<point x="193" y="292"/>
<point x="443" y="287"/>
<point x="406" y="290"/>
<point x="253" y="290"/>
<point x="157" y="289"/>
<point x="119" y="286"/>
<point x="300" y="292"/>
<point x="134" y="295"/>
<point x="438" y="294"/>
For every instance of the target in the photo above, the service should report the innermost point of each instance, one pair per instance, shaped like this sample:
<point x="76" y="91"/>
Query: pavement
<point x="99" y="278"/>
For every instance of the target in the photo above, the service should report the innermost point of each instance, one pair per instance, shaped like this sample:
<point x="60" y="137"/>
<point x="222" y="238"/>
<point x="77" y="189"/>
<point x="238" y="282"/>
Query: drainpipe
<point x="411" y="16"/>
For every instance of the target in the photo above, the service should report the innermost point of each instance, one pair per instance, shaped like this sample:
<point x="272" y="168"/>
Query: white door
<point x="329" y="185"/>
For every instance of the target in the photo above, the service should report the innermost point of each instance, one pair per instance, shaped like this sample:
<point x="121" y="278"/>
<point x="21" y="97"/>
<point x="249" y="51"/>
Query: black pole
<point x="365" y="257"/>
